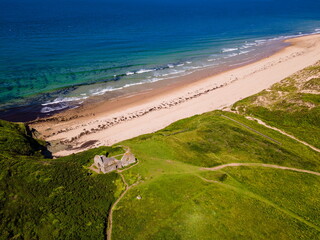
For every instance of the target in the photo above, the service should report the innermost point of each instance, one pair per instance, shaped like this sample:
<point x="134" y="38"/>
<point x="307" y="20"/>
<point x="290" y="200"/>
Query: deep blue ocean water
<point x="50" y="50"/>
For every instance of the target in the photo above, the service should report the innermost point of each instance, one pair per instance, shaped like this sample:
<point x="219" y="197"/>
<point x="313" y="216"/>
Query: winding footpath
<point x="282" y="132"/>
<point x="127" y="188"/>
<point x="260" y="165"/>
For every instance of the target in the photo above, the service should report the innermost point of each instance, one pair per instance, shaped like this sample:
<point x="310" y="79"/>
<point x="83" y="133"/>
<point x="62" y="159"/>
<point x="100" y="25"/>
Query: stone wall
<point x="101" y="162"/>
<point x="128" y="158"/>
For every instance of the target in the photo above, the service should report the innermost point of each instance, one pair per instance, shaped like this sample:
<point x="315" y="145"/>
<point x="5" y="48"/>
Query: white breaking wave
<point x="145" y="70"/>
<point x="133" y="84"/>
<point x="52" y="109"/>
<point x="229" y="49"/>
<point x="168" y="72"/>
<point x="248" y="45"/>
<point x="260" y="41"/>
<point x="245" y="51"/>
<point x="177" y="71"/>
<point x="195" y="67"/>
<point x="101" y="91"/>
<point x="245" y="46"/>
<point x="231" y="55"/>
<point x="129" y="73"/>
<point x="62" y="100"/>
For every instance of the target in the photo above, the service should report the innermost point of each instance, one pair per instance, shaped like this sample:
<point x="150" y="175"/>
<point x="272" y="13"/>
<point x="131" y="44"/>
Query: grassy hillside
<point x="292" y="105"/>
<point x="50" y="199"/>
<point x="180" y="200"/>
<point x="16" y="139"/>
<point x="273" y="198"/>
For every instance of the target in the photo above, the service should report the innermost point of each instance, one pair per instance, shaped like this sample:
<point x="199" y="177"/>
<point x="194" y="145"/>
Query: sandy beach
<point x="109" y="122"/>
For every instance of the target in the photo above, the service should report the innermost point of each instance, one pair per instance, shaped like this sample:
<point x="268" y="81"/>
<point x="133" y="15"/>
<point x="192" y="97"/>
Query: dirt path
<point x="109" y="229"/>
<point x="284" y="133"/>
<point x="261" y="134"/>
<point x="119" y="171"/>
<point x="260" y="165"/>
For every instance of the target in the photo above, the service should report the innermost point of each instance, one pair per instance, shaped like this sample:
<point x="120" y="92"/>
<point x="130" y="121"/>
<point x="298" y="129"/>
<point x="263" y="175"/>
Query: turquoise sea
<point x="56" y="54"/>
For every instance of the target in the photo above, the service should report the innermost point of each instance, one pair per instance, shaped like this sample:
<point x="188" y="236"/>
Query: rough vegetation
<point x="292" y="105"/>
<point x="50" y="198"/>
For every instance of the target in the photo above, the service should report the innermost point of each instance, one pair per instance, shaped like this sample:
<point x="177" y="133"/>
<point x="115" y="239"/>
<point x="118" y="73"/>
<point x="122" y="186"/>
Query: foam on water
<point x="145" y="71"/>
<point x="101" y="91"/>
<point x="224" y="50"/>
<point x="244" y="52"/>
<point x="231" y="55"/>
<point x="59" y="107"/>
<point x="64" y="100"/>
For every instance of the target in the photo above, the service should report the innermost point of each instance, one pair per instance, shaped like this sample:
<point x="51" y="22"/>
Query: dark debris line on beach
<point x="117" y="120"/>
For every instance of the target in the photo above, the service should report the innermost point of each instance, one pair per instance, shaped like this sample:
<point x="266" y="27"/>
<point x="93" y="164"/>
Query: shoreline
<point x="33" y="112"/>
<point x="114" y="120"/>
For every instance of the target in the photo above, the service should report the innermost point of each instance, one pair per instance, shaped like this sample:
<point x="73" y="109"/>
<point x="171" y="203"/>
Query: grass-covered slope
<point x="17" y="139"/>
<point x="180" y="200"/>
<point x="292" y="105"/>
<point x="50" y="198"/>
<point x="212" y="139"/>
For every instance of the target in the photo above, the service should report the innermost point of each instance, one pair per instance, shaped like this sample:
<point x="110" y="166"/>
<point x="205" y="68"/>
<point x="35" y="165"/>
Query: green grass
<point x="177" y="204"/>
<point x="312" y="84"/>
<point x="312" y="98"/>
<point x="182" y="206"/>
<point x="210" y="140"/>
<point x="295" y="192"/>
<point x="50" y="199"/>
<point x="286" y="85"/>
<point x="86" y="158"/>
<point x="303" y="124"/>
<point x="17" y="139"/>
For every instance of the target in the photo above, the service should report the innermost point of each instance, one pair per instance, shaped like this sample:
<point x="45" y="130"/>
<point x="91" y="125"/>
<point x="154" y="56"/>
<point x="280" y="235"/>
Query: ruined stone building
<point x="127" y="159"/>
<point x="105" y="164"/>
<point x="109" y="164"/>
